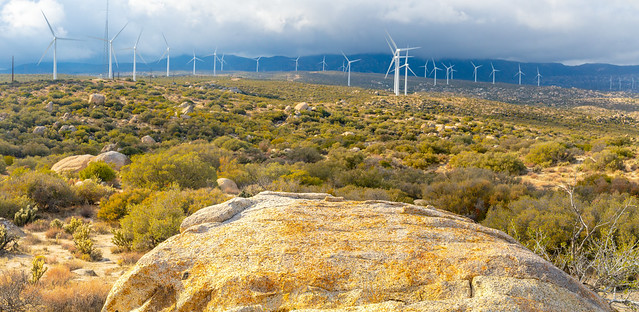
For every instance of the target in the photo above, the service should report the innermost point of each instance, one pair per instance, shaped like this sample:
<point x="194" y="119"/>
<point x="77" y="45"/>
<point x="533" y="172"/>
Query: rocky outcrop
<point x="11" y="228"/>
<point x="72" y="163"/>
<point x="39" y="130"/>
<point x="97" y="99"/>
<point x="228" y="186"/>
<point x="147" y="139"/>
<point x="302" y="107"/>
<point x="115" y="160"/>
<point x="315" y="252"/>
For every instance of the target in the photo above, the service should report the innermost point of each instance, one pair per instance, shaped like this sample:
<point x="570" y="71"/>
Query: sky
<point x="566" y="31"/>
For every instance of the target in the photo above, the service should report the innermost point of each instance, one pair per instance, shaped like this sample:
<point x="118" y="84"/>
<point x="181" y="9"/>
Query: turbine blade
<point x="389" y="68"/>
<point x="120" y="31"/>
<point x="167" y="43"/>
<point x="412" y="71"/>
<point x="49" y="24"/>
<point x="45" y="51"/>
<point x="345" y="56"/>
<point x="391" y="40"/>
<point x="142" y="58"/>
<point x="115" y="57"/>
<point x="140" y="35"/>
<point x="96" y="38"/>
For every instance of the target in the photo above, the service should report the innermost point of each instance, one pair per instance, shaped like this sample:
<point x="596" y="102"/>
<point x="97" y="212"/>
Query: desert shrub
<point x="9" y="205"/>
<point x="85" y="245"/>
<point x="472" y="191"/>
<point x="352" y="192"/>
<point x="57" y="275"/>
<point x="122" y="240"/>
<point x="56" y="233"/>
<point x="72" y="225"/>
<point x="548" y="154"/>
<point x="3" y="167"/>
<point x="98" y="170"/>
<point x="592" y="185"/>
<point x="160" y="171"/>
<point x="25" y="215"/>
<point x="47" y="191"/>
<point x="116" y="206"/>
<point x="8" y="241"/>
<point x="129" y="258"/>
<point x="76" y="296"/>
<point x="91" y="192"/>
<point x="307" y="154"/>
<point x="604" y="160"/>
<point x="495" y="161"/>
<point x="16" y="293"/>
<point x="56" y="223"/>
<point x="39" y="225"/>
<point x="37" y="269"/>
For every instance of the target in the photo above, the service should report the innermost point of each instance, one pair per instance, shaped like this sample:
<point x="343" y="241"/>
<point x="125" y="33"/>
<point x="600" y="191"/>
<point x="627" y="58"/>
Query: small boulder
<point x="302" y="107"/>
<point x="187" y="110"/>
<point x="115" y="159"/>
<point x="69" y="128"/>
<point x="66" y="116"/>
<point x="147" y="139"/>
<point x="72" y="163"/>
<point x="97" y="99"/>
<point x="39" y="130"/>
<point x="184" y="105"/>
<point x="109" y="147"/>
<point x="49" y="107"/>
<point x="228" y="186"/>
<point x="84" y="272"/>
<point x="12" y="229"/>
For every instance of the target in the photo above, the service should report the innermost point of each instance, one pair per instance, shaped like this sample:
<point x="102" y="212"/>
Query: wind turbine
<point x="519" y="73"/>
<point x="475" y="67"/>
<point x="112" y="52"/>
<point x="396" y="61"/>
<point x="215" y="60"/>
<point x="296" y="62"/>
<point x="135" y="55"/>
<point x="492" y="73"/>
<point x="538" y="77"/>
<point x="435" y="69"/>
<point x="323" y="62"/>
<point x="53" y="43"/>
<point x="168" y="55"/>
<point x="194" y="60"/>
<point x="452" y="72"/>
<point x="425" y="69"/>
<point x="222" y="61"/>
<point x="448" y="68"/>
<point x="406" y="69"/>
<point x="257" y="66"/>
<point x="349" y="67"/>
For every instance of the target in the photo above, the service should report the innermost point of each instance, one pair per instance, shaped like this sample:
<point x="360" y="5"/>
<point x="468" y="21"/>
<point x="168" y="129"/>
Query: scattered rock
<point x="70" y="128"/>
<point x="72" y="163"/>
<point x="284" y="251"/>
<point x="97" y="99"/>
<point x="84" y="272"/>
<point x="134" y="119"/>
<point x="39" y="130"/>
<point x="66" y="116"/>
<point x="421" y="202"/>
<point x="12" y="229"/>
<point x="185" y="116"/>
<point x="116" y="160"/>
<point x="355" y="149"/>
<point x="184" y="105"/>
<point x="109" y="147"/>
<point x="228" y="186"/>
<point x="302" y="107"/>
<point x="347" y="133"/>
<point x="49" y="107"/>
<point x="288" y="108"/>
<point x="187" y="110"/>
<point x="147" y="139"/>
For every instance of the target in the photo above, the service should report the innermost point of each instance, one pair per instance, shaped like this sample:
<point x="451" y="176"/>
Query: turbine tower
<point x="520" y="73"/>
<point x="257" y="65"/>
<point x="348" y="67"/>
<point x="448" y="68"/>
<point x="167" y="52"/>
<point x="112" y="51"/>
<point x="425" y="69"/>
<point x="475" y="67"/>
<point x="538" y="77"/>
<point x="53" y="43"/>
<point x="222" y="61"/>
<point x="215" y="60"/>
<point x="135" y="55"/>
<point x="452" y="72"/>
<point x="396" y="61"/>
<point x="296" y="62"/>
<point x="194" y="60"/>
<point x="406" y="69"/>
<point x="435" y="69"/>
<point x="492" y="73"/>
<point x="323" y="62"/>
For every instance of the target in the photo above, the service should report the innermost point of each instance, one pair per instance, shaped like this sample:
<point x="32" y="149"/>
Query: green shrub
<point x="73" y="224"/>
<point x="56" y="224"/>
<point x="548" y="154"/>
<point x="91" y="192"/>
<point x="9" y="205"/>
<point x="98" y="170"/>
<point x="495" y="161"/>
<point x="37" y="269"/>
<point x="45" y="190"/>
<point x="8" y="241"/>
<point x="25" y="215"/>
<point x="604" y="160"/>
<point x="84" y="244"/>
<point x="160" y="171"/>
<point x="117" y="205"/>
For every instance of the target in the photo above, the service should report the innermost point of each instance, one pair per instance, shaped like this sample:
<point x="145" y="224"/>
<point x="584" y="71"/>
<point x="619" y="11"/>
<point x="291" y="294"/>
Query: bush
<point x="91" y="192"/>
<point x="84" y="244"/>
<point x="47" y="191"/>
<point x="98" y="170"/>
<point x="495" y="161"/>
<point x="73" y="224"/>
<point x="160" y="171"/>
<point x="86" y="296"/>
<point x="10" y="205"/>
<point x="548" y="154"/>
<point x="604" y="160"/>
<point x="8" y="241"/>
<point x="37" y="269"/>
<point x="16" y="293"/>
<point x="25" y="215"/>
<point x="117" y="205"/>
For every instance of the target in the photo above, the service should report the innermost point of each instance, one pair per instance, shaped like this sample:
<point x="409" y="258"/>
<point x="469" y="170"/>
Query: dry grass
<point x="129" y="258"/>
<point x="40" y="225"/>
<point x="57" y="275"/>
<point x="57" y="233"/>
<point x="74" y="264"/>
<point x="30" y="240"/>
<point x="101" y="228"/>
<point x="76" y="296"/>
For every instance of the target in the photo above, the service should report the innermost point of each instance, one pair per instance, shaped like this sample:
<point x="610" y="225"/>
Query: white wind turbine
<point x="215" y="60"/>
<point x="425" y="69"/>
<point x="520" y="73"/>
<point x="53" y="43"/>
<point x="222" y="62"/>
<point x="435" y="69"/>
<point x="257" y="65"/>
<point x="135" y="56"/>
<point x="296" y="62"/>
<point x="448" y="68"/>
<point x="323" y="62"/>
<point x="396" y="61"/>
<point x="406" y="69"/>
<point x="348" y="67"/>
<point x="452" y="72"/>
<point x="167" y="52"/>
<point x="538" y="77"/>
<point x="475" y="67"/>
<point x="194" y="60"/>
<point x="492" y="73"/>
<point x="112" y="55"/>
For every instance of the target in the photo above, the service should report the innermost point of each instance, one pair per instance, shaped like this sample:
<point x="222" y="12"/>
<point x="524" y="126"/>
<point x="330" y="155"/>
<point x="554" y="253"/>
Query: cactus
<point x="73" y="224"/>
<point x="6" y="238"/>
<point x="25" y="215"/>
<point x="84" y="244"/>
<point x="56" y="223"/>
<point x="37" y="269"/>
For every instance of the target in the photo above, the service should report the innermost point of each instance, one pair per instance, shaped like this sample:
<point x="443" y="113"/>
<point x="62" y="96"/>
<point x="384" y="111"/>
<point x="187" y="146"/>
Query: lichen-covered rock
<point x="315" y="252"/>
<point x="147" y="139"/>
<point x="39" y="130"/>
<point x="72" y="163"/>
<point x="116" y="160"/>
<point x="11" y="228"/>
<point x="228" y="186"/>
<point x="302" y="107"/>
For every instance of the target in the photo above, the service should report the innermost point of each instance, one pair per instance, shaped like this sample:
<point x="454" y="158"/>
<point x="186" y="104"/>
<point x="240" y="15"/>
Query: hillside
<point x="540" y="164"/>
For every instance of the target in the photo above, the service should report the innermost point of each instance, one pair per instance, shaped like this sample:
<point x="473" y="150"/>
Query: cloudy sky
<point x="567" y="31"/>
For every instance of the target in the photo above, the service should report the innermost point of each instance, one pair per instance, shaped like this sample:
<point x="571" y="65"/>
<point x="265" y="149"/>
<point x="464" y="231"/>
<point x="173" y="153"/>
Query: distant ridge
<point x="586" y="76"/>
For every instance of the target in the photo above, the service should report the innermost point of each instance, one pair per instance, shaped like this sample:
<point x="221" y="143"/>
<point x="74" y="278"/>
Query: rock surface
<point x="97" y="99"/>
<point x="315" y="252"/>
<point x="72" y="163"/>
<point x="39" y="130"/>
<point x="228" y="186"/>
<point x="147" y="139"/>
<point x="302" y="107"/>
<point x="115" y="160"/>
<point x="12" y="229"/>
